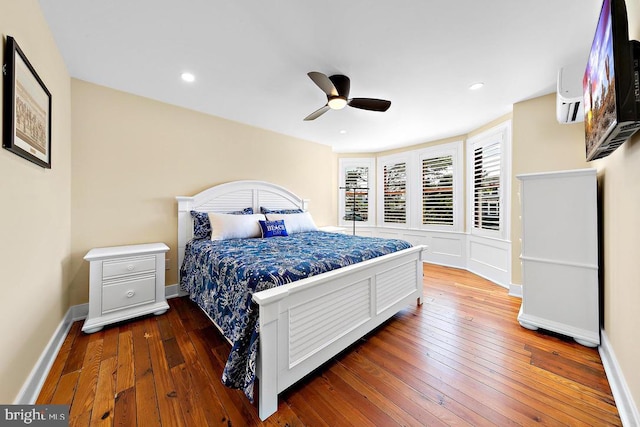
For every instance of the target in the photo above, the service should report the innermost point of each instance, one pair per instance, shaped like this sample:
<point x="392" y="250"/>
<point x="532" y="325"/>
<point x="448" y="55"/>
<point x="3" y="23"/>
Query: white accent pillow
<point x="229" y="226"/>
<point x="296" y="222"/>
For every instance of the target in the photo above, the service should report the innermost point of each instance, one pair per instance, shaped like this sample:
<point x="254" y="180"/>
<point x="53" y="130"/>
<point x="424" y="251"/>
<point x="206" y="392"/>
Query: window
<point x="423" y="189"/>
<point x="440" y="201"/>
<point x="394" y="192"/>
<point x="486" y="187"/>
<point x="488" y="176"/>
<point x="437" y="191"/>
<point x="357" y="194"/>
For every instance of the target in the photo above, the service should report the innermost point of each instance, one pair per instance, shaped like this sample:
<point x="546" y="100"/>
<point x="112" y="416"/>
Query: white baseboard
<point x="515" y="290"/>
<point x="624" y="400"/>
<point x="32" y="386"/>
<point x="172" y="291"/>
<point x="485" y="275"/>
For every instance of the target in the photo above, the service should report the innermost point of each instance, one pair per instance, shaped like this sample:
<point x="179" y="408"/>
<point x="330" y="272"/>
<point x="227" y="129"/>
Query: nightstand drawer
<point x="124" y="266"/>
<point x="127" y="293"/>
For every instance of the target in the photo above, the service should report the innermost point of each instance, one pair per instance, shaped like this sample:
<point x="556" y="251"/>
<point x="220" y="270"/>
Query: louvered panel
<point x="319" y="322"/>
<point x="486" y="187"/>
<point x="395" y="189"/>
<point x="356" y="201"/>
<point x="437" y="190"/>
<point x="228" y="202"/>
<point x="271" y="200"/>
<point x="393" y="285"/>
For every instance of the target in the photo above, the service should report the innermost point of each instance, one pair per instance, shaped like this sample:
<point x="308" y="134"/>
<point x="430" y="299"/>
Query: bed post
<point x="185" y="225"/>
<point x="420" y="275"/>
<point x="267" y="368"/>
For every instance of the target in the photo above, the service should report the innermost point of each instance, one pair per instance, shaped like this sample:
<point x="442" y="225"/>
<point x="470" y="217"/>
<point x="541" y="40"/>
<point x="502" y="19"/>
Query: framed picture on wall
<point x="27" y="108"/>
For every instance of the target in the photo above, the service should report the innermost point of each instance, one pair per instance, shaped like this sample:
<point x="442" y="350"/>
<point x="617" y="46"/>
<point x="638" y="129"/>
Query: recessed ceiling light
<point x="342" y="131"/>
<point x="476" y="86"/>
<point x="188" y="77"/>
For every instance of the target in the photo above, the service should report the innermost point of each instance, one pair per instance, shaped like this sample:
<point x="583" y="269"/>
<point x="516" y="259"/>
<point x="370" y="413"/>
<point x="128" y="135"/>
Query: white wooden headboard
<point x="232" y="196"/>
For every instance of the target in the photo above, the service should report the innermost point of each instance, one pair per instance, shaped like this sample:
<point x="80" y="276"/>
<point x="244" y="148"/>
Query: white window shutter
<point x="395" y="193"/>
<point x="437" y="191"/>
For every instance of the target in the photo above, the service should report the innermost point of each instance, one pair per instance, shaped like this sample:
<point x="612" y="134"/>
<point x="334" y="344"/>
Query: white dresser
<point x="125" y="282"/>
<point x="560" y="290"/>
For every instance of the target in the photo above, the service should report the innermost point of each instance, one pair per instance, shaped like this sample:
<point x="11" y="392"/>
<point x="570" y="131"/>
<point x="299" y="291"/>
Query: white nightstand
<point x="125" y="282"/>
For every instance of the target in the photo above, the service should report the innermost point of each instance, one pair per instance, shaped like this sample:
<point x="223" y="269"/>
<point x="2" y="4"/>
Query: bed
<point x="300" y="323"/>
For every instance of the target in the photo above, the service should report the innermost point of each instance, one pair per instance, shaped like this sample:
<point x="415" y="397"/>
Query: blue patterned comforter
<point x="221" y="277"/>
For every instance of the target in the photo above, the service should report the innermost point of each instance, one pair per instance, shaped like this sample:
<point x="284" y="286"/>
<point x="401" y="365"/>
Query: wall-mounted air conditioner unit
<point x="569" y="102"/>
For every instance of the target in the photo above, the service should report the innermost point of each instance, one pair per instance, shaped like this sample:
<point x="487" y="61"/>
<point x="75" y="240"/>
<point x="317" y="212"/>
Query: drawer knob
<point x="130" y="267"/>
<point x="130" y="294"/>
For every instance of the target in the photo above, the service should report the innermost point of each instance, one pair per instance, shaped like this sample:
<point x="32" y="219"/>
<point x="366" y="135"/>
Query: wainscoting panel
<point x="448" y="249"/>
<point x="489" y="258"/>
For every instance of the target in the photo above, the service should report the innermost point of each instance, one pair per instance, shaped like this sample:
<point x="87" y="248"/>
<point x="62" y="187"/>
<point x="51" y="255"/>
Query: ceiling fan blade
<point x="342" y="84"/>
<point x="318" y="113"/>
<point x="323" y="83"/>
<point x="369" y="104"/>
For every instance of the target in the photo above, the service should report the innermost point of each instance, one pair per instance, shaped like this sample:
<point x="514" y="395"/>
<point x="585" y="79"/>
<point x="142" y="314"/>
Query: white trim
<point x="413" y="196"/>
<point x="33" y="384"/>
<point x="493" y="263"/>
<point x="627" y="408"/>
<point x="501" y="133"/>
<point x="515" y="290"/>
<point x="79" y="312"/>
<point x="455" y="150"/>
<point x="172" y="291"/>
<point x="395" y="159"/>
<point x="489" y="258"/>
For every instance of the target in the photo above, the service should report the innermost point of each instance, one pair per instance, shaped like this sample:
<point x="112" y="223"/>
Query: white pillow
<point x="295" y="223"/>
<point x="229" y="226"/>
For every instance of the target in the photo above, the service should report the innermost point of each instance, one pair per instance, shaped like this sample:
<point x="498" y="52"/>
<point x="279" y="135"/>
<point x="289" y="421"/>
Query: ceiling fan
<point x="337" y="89"/>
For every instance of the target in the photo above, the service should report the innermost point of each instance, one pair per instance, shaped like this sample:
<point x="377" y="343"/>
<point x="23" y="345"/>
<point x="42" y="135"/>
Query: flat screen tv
<point x="611" y="84"/>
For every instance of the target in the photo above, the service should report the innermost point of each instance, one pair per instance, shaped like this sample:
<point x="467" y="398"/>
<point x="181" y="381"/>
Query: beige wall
<point x="619" y="177"/>
<point x="132" y="155"/>
<point x="35" y="214"/>
<point x="539" y="144"/>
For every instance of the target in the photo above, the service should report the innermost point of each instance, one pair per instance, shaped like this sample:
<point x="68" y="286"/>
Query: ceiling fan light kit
<point x="337" y="89"/>
<point x="337" y="103"/>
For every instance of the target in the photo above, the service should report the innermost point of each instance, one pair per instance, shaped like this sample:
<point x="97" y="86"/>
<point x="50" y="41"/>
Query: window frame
<point x="453" y="149"/>
<point x="391" y="160"/>
<point x="344" y="164"/>
<point x="500" y="134"/>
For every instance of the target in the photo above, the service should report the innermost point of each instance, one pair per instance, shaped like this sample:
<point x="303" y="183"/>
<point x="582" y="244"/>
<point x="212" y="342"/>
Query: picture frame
<point x="27" y="108"/>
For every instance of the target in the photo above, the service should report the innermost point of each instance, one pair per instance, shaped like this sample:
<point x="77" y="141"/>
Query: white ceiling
<point x="251" y="59"/>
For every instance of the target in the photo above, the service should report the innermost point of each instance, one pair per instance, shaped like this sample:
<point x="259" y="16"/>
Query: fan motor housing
<point x="342" y="84"/>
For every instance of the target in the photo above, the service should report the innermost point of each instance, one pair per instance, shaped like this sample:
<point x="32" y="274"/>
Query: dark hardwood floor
<point x="459" y="359"/>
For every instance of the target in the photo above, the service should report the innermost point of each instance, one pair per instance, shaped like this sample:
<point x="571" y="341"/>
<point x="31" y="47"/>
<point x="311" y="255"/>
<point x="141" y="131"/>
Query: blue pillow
<point x="202" y="226"/>
<point x="265" y="211"/>
<point x="273" y="228"/>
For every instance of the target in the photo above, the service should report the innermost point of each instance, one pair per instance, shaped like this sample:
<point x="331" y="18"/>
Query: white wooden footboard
<point x="305" y="323"/>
